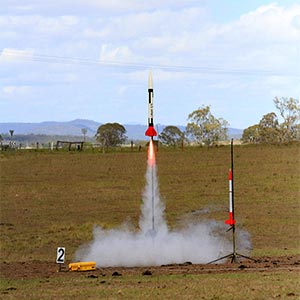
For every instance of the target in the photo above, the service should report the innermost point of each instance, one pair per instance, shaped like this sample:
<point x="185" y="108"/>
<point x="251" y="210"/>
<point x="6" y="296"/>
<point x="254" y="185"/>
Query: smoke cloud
<point x="154" y="244"/>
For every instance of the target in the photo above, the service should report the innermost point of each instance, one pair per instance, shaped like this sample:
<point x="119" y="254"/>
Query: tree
<point x="111" y="134"/>
<point x="296" y="132"/>
<point x="268" y="128"/>
<point x="289" y="109"/>
<point x="171" y="136"/>
<point x="251" y="134"/>
<point x="84" y="131"/>
<point x="203" y="127"/>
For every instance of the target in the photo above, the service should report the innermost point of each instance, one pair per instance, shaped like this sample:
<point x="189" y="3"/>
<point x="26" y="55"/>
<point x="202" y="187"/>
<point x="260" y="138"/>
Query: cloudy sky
<point x="68" y="59"/>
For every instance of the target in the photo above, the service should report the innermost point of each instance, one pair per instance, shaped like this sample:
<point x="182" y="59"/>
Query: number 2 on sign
<point x="60" y="257"/>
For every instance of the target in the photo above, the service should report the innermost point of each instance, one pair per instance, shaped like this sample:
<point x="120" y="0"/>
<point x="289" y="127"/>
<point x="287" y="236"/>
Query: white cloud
<point x="36" y="24"/>
<point x="256" y="41"/>
<point x="122" y="90"/>
<point x="238" y="59"/>
<point x="296" y="22"/>
<point x="79" y="7"/>
<point x="92" y="33"/>
<point x="271" y="23"/>
<point x="282" y="86"/>
<point x="11" y="91"/>
<point x="110" y="53"/>
<point x="11" y="54"/>
<point x="165" y="36"/>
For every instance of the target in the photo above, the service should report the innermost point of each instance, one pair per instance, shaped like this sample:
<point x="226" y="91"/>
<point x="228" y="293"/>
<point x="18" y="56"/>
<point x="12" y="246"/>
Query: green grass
<point x="51" y="199"/>
<point x="283" y="285"/>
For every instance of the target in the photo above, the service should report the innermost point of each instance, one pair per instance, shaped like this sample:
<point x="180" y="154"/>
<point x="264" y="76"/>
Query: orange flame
<point x="151" y="153"/>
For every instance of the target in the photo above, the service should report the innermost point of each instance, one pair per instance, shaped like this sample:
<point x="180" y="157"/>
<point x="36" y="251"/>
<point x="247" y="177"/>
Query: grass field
<point x="276" y="285"/>
<point x="51" y="199"/>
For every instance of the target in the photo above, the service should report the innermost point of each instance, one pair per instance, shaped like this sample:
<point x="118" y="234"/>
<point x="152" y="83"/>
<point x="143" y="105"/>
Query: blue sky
<point x="62" y="60"/>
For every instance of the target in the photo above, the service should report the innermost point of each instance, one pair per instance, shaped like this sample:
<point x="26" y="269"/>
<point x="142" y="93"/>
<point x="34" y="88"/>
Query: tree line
<point x="203" y="128"/>
<point x="270" y="130"/>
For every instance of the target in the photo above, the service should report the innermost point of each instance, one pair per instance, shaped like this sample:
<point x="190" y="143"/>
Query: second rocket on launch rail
<point x="231" y="220"/>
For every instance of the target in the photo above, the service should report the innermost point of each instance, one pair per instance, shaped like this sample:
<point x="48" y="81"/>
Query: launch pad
<point x="234" y="255"/>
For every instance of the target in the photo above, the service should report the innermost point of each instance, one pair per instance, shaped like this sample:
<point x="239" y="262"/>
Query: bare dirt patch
<point x="44" y="269"/>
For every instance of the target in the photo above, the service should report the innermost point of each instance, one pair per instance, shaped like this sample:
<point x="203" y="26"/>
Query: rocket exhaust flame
<point x="151" y="160"/>
<point x="152" y="219"/>
<point x="151" y="153"/>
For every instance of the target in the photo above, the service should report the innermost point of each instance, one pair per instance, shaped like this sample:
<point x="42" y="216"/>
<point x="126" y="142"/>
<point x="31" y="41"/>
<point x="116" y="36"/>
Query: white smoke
<point x="154" y="244"/>
<point x="153" y="209"/>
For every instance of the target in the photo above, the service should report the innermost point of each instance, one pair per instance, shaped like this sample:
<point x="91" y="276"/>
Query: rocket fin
<point x="231" y="221"/>
<point x="151" y="131"/>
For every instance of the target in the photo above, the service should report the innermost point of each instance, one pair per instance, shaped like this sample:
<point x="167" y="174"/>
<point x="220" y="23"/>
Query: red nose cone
<point x="150" y="131"/>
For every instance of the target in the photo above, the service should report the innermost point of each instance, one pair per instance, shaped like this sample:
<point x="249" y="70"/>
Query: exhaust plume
<point x="154" y="244"/>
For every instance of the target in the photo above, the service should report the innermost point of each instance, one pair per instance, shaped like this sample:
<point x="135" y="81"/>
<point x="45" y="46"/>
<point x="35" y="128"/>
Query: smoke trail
<point x="196" y="242"/>
<point x="152" y="211"/>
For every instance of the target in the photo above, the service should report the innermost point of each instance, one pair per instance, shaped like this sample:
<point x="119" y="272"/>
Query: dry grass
<point x="51" y="199"/>
<point x="246" y="286"/>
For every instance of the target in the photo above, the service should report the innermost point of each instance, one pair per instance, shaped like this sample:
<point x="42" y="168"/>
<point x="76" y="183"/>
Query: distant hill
<point x="52" y="128"/>
<point x="74" y="127"/>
